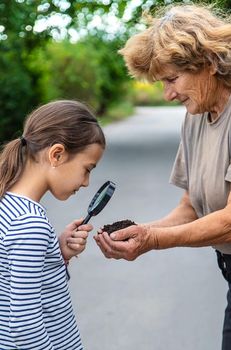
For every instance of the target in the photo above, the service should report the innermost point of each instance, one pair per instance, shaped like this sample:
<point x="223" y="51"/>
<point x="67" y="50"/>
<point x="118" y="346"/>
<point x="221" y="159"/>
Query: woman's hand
<point x="127" y="243"/>
<point x="73" y="239"/>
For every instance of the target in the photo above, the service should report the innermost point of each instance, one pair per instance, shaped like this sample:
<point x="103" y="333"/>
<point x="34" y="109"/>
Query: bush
<point x="146" y="94"/>
<point x="17" y="92"/>
<point x="90" y="71"/>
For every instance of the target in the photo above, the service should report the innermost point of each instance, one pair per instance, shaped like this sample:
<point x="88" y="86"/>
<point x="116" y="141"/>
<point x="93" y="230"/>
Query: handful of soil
<point x="118" y="225"/>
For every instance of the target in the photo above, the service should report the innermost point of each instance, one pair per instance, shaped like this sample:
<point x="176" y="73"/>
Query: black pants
<point x="224" y="262"/>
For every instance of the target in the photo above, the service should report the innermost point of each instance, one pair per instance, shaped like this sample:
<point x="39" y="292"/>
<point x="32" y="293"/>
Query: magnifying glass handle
<point x="87" y="218"/>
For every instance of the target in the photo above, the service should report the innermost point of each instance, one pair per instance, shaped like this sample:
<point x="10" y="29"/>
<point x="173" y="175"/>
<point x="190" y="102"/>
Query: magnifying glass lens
<point x="100" y="199"/>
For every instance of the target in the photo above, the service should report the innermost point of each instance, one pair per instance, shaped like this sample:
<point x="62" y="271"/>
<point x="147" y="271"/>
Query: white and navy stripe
<point x="35" y="306"/>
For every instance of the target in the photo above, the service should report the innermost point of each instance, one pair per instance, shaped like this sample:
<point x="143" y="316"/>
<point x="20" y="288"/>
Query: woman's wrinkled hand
<point x="128" y="243"/>
<point x="73" y="239"/>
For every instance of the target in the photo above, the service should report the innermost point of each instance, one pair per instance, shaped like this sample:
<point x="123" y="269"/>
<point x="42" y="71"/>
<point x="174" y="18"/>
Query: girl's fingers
<point x="79" y="240"/>
<point x="79" y="234"/>
<point x="87" y="227"/>
<point x="77" y="248"/>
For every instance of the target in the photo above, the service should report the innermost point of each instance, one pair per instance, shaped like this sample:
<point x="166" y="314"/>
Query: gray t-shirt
<point x="203" y="163"/>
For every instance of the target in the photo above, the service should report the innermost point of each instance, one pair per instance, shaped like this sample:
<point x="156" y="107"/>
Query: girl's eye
<point x="88" y="170"/>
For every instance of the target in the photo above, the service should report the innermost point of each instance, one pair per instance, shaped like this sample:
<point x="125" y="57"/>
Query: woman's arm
<point x="182" y="214"/>
<point x="133" y="241"/>
<point x="136" y="240"/>
<point x="212" y="229"/>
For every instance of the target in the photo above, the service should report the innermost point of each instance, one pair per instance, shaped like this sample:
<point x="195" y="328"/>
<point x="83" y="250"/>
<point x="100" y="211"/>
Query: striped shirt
<point x="35" y="305"/>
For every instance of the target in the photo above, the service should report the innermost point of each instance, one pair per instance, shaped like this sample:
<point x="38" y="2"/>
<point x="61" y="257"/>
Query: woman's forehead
<point x="166" y="71"/>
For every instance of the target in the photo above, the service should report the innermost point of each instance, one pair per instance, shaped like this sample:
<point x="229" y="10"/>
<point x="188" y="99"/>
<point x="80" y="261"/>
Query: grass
<point x="117" y="112"/>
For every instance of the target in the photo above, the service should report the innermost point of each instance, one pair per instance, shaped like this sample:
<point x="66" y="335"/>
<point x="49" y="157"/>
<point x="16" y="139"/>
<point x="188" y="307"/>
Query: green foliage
<point x="18" y="85"/>
<point x="34" y="70"/>
<point x="90" y="70"/>
<point x="146" y="94"/>
<point x="15" y="90"/>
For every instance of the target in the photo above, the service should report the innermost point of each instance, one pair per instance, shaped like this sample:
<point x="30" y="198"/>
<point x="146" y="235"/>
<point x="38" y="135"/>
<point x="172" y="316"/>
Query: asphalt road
<point x="172" y="299"/>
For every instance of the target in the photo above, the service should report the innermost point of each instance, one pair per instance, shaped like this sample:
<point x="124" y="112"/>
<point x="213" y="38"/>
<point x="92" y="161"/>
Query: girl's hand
<point x="73" y="239"/>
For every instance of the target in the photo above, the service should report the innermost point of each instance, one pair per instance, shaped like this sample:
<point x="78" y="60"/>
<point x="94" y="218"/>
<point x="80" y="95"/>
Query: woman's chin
<point x="193" y="108"/>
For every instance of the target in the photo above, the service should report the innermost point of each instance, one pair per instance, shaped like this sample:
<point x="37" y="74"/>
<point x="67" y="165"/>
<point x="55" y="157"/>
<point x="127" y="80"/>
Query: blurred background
<point x="68" y="49"/>
<point x="171" y="299"/>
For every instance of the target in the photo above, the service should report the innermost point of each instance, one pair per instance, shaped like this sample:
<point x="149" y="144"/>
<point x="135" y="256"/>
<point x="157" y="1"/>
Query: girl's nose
<point x="85" y="182"/>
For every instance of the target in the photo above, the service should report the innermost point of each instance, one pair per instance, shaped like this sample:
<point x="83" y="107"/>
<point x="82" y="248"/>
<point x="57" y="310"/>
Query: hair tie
<point x="23" y="141"/>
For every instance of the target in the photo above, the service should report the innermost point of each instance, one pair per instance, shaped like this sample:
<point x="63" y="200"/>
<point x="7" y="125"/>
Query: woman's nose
<point x="169" y="93"/>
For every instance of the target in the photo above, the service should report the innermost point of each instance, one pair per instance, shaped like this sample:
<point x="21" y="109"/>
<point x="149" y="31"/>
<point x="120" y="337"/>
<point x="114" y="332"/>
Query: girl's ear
<point x="57" y="155"/>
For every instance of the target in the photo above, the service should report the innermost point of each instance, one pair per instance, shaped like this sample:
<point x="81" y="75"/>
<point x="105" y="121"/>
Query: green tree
<point x="18" y="90"/>
<point x="26" y="27"/>
<point x="90" y="70"/>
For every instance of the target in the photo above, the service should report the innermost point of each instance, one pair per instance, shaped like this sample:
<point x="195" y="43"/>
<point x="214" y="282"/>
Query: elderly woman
<point x="189" y="50"/>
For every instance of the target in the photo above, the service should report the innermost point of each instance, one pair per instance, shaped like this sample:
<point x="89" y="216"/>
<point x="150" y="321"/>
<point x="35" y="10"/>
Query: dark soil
<point x="118" y="225"/>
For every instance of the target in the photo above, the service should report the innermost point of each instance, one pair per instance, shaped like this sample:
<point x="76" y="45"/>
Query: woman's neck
<point x="222" y="98"/>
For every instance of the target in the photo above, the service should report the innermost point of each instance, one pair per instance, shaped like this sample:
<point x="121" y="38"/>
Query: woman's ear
<point x="212" y="69"/>
<point x="57" y="155"/>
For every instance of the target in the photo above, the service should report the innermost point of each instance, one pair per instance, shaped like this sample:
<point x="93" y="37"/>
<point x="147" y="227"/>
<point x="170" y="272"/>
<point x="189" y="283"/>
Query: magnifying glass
<point x="100" y="199"/>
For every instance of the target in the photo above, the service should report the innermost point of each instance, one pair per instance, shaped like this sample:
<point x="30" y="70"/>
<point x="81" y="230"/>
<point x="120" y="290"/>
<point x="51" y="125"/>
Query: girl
<point x="61" y="143"/>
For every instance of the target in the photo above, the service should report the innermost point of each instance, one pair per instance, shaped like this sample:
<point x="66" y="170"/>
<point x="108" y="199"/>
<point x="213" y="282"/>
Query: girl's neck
<point x="31" y="184"/>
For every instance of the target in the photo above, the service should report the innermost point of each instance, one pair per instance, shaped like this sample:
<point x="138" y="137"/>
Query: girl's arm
<point x="26" y="245"/>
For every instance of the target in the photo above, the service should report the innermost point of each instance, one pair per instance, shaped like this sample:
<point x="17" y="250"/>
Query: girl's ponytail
<point x="67" y="122"/>
<point x="11" y="164"/>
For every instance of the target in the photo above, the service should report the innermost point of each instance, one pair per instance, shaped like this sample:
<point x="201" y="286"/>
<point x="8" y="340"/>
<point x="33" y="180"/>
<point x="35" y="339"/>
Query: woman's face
<point x="66" y="178"/>
<point x="196" y="91"/>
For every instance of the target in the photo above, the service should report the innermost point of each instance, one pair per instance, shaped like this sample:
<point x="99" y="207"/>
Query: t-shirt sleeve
<point x="178" y="175"/>
<point x="228" y="174"/>
<point x="26" y="244"/>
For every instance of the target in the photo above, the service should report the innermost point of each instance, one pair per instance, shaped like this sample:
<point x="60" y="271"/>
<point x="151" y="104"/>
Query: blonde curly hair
<point x="188" y="37"/>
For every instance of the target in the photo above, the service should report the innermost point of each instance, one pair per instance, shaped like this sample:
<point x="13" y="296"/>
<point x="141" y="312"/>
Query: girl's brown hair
<point x="189" y="37"/>
<point x="67" y="122"/>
